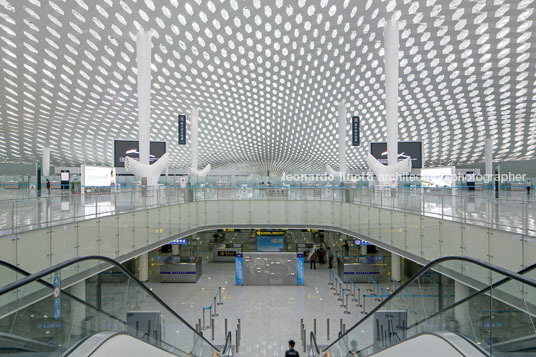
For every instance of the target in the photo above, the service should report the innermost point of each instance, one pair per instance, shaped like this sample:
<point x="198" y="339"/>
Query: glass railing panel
<point x="492" y="308"/>
<point x="87" y="297"/>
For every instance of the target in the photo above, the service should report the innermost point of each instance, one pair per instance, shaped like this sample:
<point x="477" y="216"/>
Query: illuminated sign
<point x="226" y="253"/>
<point x="361" y="242"/>
<point x="182" y="241"/>
<point x="93" y="176"/>
<point x="269" y="233"/>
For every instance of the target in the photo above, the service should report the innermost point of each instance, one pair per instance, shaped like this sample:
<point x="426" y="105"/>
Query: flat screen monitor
<point x="131" y="148"/>
<point x="406" y="149"/>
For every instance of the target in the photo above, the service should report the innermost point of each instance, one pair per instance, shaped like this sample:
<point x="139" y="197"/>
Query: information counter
<point x="181" y="272"/>
<point x="222" y="254"/>
<point x="357" y="272"/>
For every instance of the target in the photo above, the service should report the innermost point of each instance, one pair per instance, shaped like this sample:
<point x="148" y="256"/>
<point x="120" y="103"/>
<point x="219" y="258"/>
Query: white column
<point x="363" y="250"/>
<point x="193" y="136"/>
<point x="78" y="309"/>
<point x="395" y="266"/>
<point x="342" y="137"/>
<point x="143" y="51"/>
<point x="488" y="156"/>
<point x="461" y="313"/>
<point x="46" y="162"/>
<point x="143" y="262"/>
<point x="175" y="249"/>
<point x="391" y="89"/>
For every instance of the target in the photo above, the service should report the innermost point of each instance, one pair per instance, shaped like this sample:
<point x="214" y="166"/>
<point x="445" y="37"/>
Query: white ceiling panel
<point x="266" y="76"/>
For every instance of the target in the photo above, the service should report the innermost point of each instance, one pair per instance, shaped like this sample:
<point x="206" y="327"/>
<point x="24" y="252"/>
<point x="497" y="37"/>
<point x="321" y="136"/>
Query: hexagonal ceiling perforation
<point x="266" y="75"/>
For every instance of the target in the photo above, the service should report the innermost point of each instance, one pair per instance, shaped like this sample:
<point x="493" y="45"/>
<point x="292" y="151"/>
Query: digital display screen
<point x="412" y="149"/>
<point x="94" y="176"/>
<point x="270" y="243"/>
<point x="438" y="177"/>
<point x="226" y="253"/>
<point x="65" y="176"/>
<point x="131" y="148"/>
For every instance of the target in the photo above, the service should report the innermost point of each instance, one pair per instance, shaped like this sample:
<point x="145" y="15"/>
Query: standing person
<point x="322" y="254"/>
<point x="48" y="187"/>
<point x="313" y="259"/>
<point x="528" y="187"/>
<point x="291" y="351"/>
<point x="346" y="248"/>
<point x="330" y="258"/>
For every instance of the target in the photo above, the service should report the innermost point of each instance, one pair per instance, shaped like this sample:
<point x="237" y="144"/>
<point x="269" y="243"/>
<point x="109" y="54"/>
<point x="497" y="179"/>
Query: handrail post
<point x="347" y="311"/>
<point x="353" y="296"/>
<point x="215" y="308"/>
<point x="327" y="327"/>
<point x="212" y="323"/>
<point x="204" y="325"/>
<point x="219" y="293"/>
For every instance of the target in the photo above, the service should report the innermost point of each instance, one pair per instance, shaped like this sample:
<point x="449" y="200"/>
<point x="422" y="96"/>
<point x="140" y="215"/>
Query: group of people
<point x="319" y="255"/>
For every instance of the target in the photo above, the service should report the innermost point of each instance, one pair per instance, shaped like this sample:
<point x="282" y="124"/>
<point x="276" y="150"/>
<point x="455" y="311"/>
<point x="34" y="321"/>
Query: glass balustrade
<point x="56" y="310"/>
<point x="486" y="305"/>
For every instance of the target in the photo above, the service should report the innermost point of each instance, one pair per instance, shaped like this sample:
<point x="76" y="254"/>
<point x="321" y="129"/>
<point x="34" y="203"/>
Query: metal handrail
<point x="465" y="219"/>
<point x="488" y="288"/>
<point x="48" y="285"/>
<point x="37" y="276"/>
<point x="429" y="266"/>
<point x="314" y="346"/>
<point x="227" y="348"/>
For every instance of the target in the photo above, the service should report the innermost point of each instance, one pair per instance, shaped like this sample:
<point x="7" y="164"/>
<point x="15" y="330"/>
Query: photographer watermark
<point x="397" y="177"/>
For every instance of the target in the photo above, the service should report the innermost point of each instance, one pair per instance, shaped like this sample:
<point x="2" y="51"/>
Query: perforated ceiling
<point x="266" y="75"/>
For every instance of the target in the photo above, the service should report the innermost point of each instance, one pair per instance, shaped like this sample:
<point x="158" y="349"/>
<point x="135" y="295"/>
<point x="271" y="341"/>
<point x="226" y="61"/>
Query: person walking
<point x="322" y="255"/>
<point x="314" y="257"/>
<point x="48" y="187"/>
<point x="528" y="187"/>
<point x="330" y="258"/>
<point x="346" y="248"/>
<point x="291" y="352"/>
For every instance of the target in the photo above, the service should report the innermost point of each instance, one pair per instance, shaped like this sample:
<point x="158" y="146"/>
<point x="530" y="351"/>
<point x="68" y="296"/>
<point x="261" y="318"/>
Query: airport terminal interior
<point x="314" y="178"/>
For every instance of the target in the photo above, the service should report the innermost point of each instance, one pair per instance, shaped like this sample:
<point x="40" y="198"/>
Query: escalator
<point x="88" y="304"/>
<point x="472" y="308"/>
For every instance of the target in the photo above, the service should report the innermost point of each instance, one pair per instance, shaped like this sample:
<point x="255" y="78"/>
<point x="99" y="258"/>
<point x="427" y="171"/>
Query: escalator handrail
<point x="228" y="344"/>
<point x="429" y="266"/>
<point x="48" y="285"/>
<point x="37" y="276"/>
<point x="312" y="342"/>
<point x="457" y="303"/>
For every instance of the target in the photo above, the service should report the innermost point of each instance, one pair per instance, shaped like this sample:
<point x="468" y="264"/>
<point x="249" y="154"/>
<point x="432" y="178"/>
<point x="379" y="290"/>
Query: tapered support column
<point x="194" y="118"/>
<point x="395" y="266"/>
<point x="143" y="51"/>
<point x="488" y="157"/>
<point x="143" y="267"/>
<point x="391" y="89"/>
<point x="363" y="250"/>
<point x="46" y="162"/>
<point x="342" y="137"/>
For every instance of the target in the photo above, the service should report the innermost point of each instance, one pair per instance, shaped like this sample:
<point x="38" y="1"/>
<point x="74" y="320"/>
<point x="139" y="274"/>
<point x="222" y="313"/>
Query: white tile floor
<point x="270" y="315"/>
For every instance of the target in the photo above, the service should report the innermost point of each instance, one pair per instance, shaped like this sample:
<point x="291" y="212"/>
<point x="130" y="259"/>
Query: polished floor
<point x="269" y="315"/>
<point x="515" y="211"/>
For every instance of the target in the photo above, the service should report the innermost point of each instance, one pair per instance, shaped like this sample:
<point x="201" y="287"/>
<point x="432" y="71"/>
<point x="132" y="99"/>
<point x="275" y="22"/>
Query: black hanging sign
<point x="182" y="129"/>
<point x="355" y="131"/>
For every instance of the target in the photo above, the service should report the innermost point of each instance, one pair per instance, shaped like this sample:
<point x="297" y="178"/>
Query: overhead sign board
<point x="361" y="242"/>
<point x="182" y="241"/>
<point x="355" y="130"/>
<point x="182" y="129"/>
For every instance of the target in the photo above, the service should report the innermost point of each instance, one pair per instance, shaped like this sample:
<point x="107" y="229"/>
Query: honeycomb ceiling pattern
<point x="267" y="76"/>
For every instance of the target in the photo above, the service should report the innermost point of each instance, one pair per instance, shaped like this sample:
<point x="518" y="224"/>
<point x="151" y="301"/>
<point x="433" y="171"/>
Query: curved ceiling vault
<point x="266" y="75"/>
